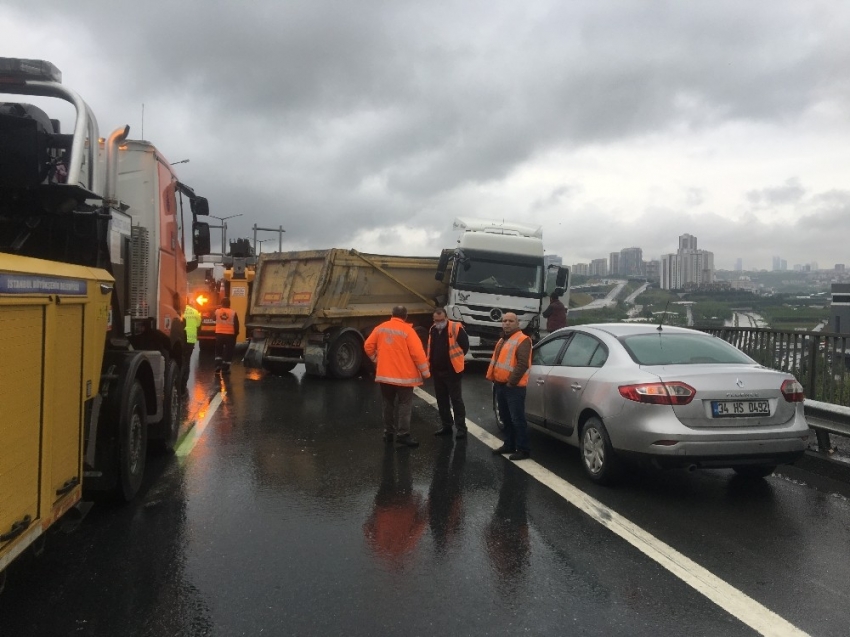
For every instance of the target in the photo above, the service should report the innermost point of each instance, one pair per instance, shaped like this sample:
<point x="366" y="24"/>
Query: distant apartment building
<point x="688" y="267"/>
<point x="599" y="267"/>
<point x="631" y="262"/>
<point x="739" y="265"/>
<point x="839" y="267"/>
<point x="653" y="270"/>
<point x="581" y="269"/>
<point x="687" y="242"/>
<point x="779" y="264"/>
<point x="614" y="263"/>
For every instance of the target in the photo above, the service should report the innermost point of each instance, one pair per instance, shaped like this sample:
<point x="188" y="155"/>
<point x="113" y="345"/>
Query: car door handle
<point x="575" y="386"/>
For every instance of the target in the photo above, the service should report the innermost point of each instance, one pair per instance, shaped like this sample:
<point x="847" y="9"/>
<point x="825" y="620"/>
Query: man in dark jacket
<point x="447" y="346"/>
<point x="555" y="314"/>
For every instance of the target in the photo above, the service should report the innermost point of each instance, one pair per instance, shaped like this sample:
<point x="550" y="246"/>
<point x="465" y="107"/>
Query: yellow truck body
<point x="53" y="323"/>
<point x="316" y="307"/>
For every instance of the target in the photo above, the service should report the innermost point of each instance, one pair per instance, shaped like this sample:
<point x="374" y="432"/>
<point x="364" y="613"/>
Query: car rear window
<point x="681" y="349"/>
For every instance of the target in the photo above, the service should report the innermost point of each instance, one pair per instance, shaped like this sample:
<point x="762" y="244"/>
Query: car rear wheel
<point x="755" y="471"/>
<point x="597" y="455"/>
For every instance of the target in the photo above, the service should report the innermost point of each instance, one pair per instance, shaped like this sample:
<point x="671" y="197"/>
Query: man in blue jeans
<point x="509" y="372"/>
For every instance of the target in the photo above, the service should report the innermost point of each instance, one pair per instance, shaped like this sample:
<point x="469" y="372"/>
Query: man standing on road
<point x="226" y="329"/>
<point x="191" y="323"/>
<point x="401" y="364"/>
<point x="556" y="313"/>
<point x="447" y="345"/>
<point x="509" y="372"/>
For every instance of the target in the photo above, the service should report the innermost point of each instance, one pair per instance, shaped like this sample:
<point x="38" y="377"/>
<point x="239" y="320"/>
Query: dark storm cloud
<point x="335" y="117"/>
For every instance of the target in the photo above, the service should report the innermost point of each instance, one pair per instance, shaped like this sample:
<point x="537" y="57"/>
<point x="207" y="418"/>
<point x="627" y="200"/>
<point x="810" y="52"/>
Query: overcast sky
<point x="373" y="124"/>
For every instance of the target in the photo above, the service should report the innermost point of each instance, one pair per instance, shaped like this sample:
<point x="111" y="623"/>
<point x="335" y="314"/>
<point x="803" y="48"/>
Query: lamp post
<point x="224" y="230"/>
<point x="259" y="250"/>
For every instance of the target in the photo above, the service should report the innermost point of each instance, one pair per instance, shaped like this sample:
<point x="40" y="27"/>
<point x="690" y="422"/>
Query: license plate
<point x="739" y="408"/>
<point x="208" y="322"/>
<point x="286" y="341"/>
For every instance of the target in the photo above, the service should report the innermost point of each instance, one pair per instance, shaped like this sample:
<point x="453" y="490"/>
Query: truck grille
<point x="139" y="273"/>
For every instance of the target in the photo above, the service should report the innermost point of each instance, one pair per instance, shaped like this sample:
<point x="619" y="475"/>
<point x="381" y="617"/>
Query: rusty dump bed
<point x="331" y="287"/>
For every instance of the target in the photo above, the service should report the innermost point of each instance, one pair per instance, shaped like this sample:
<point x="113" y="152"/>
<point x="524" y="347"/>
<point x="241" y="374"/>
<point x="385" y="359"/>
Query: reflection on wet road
<point x="289" y="515"/>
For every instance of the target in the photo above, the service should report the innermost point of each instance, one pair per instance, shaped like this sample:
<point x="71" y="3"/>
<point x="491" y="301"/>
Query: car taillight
<point x="674" y="393"/>
<point x="792" y="391"/>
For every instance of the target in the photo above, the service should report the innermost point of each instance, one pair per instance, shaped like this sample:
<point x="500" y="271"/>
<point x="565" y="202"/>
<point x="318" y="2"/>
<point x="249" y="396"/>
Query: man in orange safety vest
<point x="509" y="373"/>
<point x="226" y="329"/>
<point x="447" y="346"/>
<point x="401" y="365"/>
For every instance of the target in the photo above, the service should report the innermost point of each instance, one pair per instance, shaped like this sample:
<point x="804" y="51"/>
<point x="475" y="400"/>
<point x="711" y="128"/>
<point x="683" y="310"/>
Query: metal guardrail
<point x="819" y="360"/>
<point x="826" y="419"/>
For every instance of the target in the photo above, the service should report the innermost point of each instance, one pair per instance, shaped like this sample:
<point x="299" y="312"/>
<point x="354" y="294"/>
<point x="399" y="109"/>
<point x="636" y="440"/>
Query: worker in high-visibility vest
<point x="401" y="365"/>
<point x="226" y="329"/>
<point x="191" y="324"/>
<point x="447" y="346"/>
<point x="509" y="372"/>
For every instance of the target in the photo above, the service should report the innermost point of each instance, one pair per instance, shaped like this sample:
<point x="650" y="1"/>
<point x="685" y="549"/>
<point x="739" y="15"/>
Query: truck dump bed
<point x="316" y="307"/>
<point x="329" y="287"/>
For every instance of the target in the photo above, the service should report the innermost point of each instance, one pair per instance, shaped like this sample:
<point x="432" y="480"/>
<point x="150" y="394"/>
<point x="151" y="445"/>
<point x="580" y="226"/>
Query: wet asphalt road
<point x="290" y="516"/>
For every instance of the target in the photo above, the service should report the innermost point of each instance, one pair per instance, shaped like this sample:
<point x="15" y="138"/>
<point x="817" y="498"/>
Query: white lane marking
<point x="730" y="599"/>
<point x="191" y="439"/>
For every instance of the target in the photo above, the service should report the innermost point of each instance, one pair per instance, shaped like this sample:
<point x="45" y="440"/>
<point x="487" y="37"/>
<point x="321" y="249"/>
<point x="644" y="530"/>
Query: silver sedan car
<point x="673" y="396"/>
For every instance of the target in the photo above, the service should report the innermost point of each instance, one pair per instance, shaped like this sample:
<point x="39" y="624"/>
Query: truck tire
<point x="278" y="367"/>
<point x="345" y="356"/>
<point x="132" y="444"/>
<point x="169" y="428"/>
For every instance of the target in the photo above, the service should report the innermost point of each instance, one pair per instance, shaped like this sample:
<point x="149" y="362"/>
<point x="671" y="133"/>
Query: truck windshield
<point x="499" y="276"/>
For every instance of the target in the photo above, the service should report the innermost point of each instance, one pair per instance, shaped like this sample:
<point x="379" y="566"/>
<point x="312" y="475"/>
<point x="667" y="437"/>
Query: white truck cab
<point x="497" y="267"/>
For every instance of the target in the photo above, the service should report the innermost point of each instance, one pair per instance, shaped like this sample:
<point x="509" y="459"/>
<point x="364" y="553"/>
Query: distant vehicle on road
<point x="673" y="396"/>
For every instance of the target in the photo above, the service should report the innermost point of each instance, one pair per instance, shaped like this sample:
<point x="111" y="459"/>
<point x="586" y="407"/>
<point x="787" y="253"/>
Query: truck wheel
<point x="169" y="428"/>
<point x="345" y="356"/>
<point x="132" y="443"/>
<point x="278" y="367"/>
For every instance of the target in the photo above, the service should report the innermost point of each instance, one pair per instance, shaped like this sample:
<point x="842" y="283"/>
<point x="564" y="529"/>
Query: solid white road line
<point x="730" y="599"/>
<point x="184" y="448"/>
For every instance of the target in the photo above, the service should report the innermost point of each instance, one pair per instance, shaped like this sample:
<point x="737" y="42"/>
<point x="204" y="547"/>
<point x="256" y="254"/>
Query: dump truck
<point x="318" y="307"/>
<point x="92" y="280"/>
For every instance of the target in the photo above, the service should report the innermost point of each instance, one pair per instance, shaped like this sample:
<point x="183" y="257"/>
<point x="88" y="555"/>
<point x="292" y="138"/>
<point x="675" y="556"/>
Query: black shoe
<point x="388" y="437"/>
<point x="503" y="449"/>
<point x="407" y="441"/>
<point x="461" y="433"/>
<point x="443" y="431"/>
<point x="519" y="455"/>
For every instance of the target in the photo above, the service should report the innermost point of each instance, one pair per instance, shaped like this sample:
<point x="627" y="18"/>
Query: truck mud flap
<point x="254" y="354"/>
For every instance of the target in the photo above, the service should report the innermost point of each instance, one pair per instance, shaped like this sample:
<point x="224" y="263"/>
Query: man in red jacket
<point x="401" y="365"/>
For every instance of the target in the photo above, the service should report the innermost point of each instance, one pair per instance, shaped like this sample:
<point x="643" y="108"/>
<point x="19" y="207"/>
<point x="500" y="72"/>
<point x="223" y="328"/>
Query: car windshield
<point x="681" y="349"/>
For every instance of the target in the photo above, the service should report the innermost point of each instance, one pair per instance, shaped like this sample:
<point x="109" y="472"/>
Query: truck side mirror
<point x="445" y="255"/>
<point x="200" y="206"/>
<point x="563" y="278"/>
<point x="200" y="238"/>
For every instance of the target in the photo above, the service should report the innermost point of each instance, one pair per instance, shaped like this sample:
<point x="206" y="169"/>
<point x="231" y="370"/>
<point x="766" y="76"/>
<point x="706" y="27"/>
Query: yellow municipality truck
<point x="92" y="284"/>
<point x="317" y="307"/>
